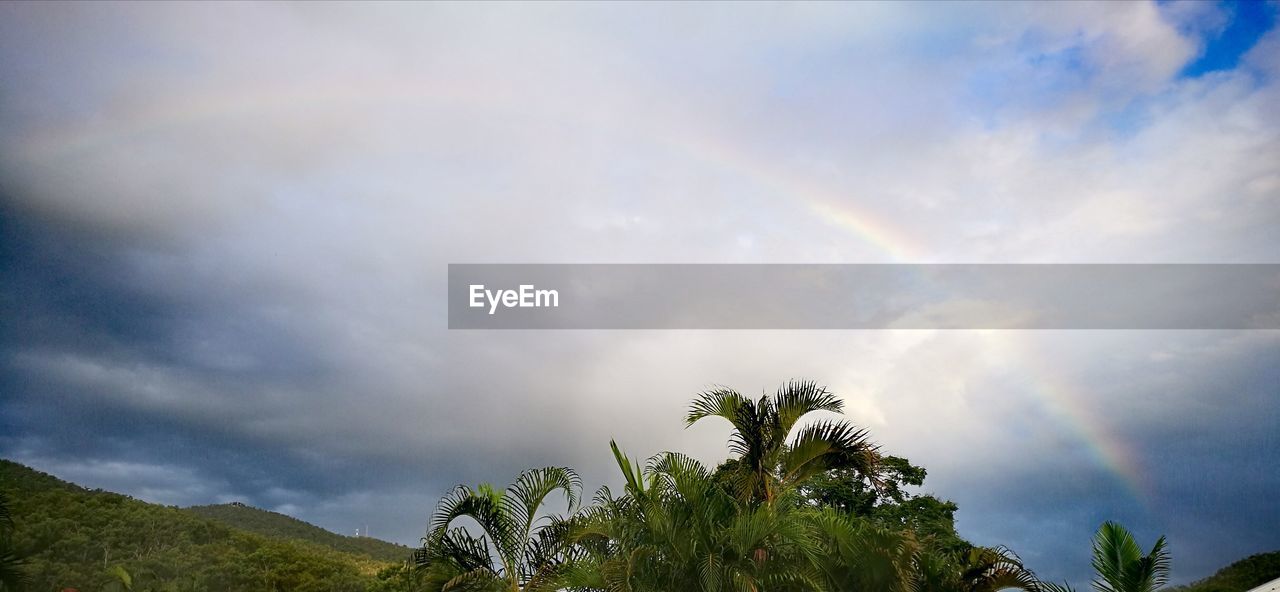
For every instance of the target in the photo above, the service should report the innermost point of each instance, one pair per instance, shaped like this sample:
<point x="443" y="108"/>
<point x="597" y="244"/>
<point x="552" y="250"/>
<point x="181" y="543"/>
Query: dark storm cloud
<point x="78" y="301"/>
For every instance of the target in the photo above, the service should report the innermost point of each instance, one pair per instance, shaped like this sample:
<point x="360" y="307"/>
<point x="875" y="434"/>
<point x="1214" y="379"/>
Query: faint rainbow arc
<point x="831" y="206"/>
<point x="1064" y="401"/>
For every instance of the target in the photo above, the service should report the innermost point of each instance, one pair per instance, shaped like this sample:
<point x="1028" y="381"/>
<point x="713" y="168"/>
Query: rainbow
<point x="833" y="207"/>
<point x="1062" y="399"/>
<point x="1055" y="393"/>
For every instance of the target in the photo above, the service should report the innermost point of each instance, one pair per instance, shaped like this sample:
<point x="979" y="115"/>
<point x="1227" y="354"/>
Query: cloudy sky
<point x="224" y="232"/>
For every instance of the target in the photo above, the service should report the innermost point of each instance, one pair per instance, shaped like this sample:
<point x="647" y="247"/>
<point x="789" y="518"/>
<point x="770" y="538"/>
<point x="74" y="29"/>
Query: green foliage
<point x="1242" y="575"/>
<point x="1120" y="564"/>
<point x="401" y="577"/>
<point x="676" y="527"/>
<point x="514" y="551"/>
<point x="856" y="553"/>
<point x="77" y="538"/>
<point x="887" y="503"/>
<point x="679" y="527"/>
<point x="13" y="568"/>
<point x="279" y="526"/>
<point x="820" y="510"/>
<point x="849" y="491"/>
<point x="771" y="458"/>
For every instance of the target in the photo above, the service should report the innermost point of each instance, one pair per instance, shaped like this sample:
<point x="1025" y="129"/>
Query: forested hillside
<point x="91" y="540"/>
<point x="1246" y="574"/>
<point x="274" y="524"/>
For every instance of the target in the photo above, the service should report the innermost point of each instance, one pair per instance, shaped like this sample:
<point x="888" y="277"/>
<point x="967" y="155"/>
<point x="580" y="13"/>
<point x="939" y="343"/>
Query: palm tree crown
<point x="1121" y="564"/>
<point x="771" y="459"/>
<point x="514" y="552"/>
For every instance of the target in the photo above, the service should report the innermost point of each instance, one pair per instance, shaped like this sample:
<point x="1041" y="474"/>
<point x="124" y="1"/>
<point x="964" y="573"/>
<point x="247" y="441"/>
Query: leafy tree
<point x="514" y="552"/>
<point x="1120" y="564"/>
<point x="852" y="492"/>
<point x="401" y="577"/>
<point x="858" y="554"/>
<point x="771" y="461"/>
<point x="887" y="502"/>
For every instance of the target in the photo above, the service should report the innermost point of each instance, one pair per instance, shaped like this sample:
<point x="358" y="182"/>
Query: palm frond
<point x="460" y="548"/>
<point x="1156" y="565"/>
<point x="718" y="402"/>
<point x="830" y="444"/>
<point x="798" y="398"/>
<point x="1122" y="566"/>
<point x="482" y="505"/>
<point x="1052" y="587"/>
<point x="988" y="569"/>
<point x="631" y="471"/>
<point x="13" y="572"/>
<point x="477" y="580"/>
<point x="6" y="519"/>
<point x="524" y="497"/>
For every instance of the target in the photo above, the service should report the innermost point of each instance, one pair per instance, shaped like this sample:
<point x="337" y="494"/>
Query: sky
<point x="224" y="232"/>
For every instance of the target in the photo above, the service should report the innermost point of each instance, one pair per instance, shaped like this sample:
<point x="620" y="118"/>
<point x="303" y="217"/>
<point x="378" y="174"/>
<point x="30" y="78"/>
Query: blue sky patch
<point x="1249" y="21"/>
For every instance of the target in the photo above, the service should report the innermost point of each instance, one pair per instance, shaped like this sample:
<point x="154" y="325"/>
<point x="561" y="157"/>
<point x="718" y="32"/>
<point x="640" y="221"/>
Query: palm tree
<point x="771" y="459"/>
<point x="1121" y="565"/>
<point x="988" y="569"/>
<point x="859" y="555"/>
<point x="121" y="580"/>
<point x="514" y="552"/>
<point x="978" y="569"/>
<point x="677" y="528"/>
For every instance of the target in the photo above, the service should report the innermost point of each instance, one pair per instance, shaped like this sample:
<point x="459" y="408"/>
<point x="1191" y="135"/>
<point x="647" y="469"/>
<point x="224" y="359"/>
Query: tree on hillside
<point x="771" y="459"/>
<point x="1245" y="574"/>
<point x="514" y="552"/>
<point x="13" y="575"/>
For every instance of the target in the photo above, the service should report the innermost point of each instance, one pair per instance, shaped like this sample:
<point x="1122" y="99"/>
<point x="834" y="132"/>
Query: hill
<point x="78" y="538"/>
<point x="276" y="525"/>
<point x="1248" y="573"/>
